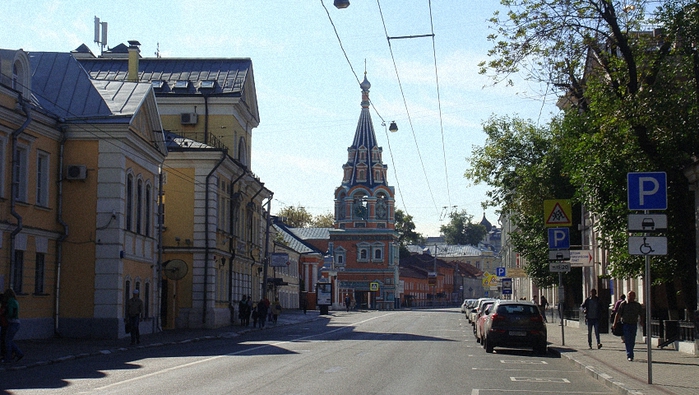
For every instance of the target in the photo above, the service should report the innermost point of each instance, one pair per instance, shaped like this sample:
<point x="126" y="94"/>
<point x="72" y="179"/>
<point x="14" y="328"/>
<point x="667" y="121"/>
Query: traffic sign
<point x="506" y="286"/>
<point x="647" y="222"/>
<point x="557" y="213"/>
<point x="516" y="272"/>
<point x="581" y="258"/>
<point x="500" y="271"/>
<point x="559" y="267"/>
<point x="645" y="245"/>
<point x="559" y="255"/>
<point x="373" y="286"/>
<point x="647" y="191"/>
<point x="559" y="238"/>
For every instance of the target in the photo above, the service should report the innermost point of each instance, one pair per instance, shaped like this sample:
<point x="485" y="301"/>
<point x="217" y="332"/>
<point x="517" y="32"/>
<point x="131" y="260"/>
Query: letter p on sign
<point x="647" y="191"/>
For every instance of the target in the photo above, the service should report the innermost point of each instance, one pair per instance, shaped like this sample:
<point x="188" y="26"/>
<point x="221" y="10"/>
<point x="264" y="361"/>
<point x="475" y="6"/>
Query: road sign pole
<point x="560" y="309"/>
<point x="648" y="332"/>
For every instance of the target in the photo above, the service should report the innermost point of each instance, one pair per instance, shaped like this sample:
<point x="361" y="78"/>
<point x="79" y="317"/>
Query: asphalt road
<point x="402" y="352"/>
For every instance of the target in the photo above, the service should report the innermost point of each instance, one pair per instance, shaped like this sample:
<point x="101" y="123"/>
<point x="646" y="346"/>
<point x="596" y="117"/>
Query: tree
<point x="631" y="105"/>
<point x="461" y="231"/>
<point x="296" y="217"/>
<point x="326" y="220"/>
<point x="406" y="229"/>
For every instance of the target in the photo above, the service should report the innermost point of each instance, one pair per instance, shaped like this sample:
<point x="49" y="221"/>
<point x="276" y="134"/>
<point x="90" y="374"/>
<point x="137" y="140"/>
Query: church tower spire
<point x="364" y="200"/>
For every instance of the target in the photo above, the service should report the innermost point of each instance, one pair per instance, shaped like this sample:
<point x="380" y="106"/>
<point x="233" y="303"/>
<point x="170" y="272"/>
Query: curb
<point x="597" y="374"/>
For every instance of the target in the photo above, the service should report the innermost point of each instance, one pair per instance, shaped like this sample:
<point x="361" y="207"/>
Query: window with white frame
<point x="340" y="256"/>
<point x="19" y="174"/>
<point x="148" y="211"/>
<point x="42" y="179"/>
<point x="377" y="252"/>
<point x="139" y="206"/>
<point x="363" y="252"/>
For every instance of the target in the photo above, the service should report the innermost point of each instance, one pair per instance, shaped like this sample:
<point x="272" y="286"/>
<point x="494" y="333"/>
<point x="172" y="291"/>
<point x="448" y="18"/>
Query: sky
<point x="308" y="90"/>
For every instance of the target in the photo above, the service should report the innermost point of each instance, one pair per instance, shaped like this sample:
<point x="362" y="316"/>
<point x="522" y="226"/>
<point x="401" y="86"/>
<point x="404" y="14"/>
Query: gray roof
<point x="312" y="233"/>
<point x="445" y="251"/>
<point x="227" y="75"/>
<point x="63" y="88"/>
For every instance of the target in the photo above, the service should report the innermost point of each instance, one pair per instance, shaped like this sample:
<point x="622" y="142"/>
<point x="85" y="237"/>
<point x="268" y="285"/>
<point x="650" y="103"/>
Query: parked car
<point x="465" y="307"/>
<point x="481" y="321"/>
<point x="472" y="315"/>
<point x="481" y="311"/>
<point x="515" y="324"/>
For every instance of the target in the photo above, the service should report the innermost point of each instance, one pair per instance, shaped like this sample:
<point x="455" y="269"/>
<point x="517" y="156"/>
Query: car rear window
<point x="517" y="309"/>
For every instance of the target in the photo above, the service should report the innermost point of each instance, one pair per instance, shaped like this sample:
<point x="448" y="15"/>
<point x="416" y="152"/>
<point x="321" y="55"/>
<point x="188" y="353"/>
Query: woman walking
<point x="12" y="352"/>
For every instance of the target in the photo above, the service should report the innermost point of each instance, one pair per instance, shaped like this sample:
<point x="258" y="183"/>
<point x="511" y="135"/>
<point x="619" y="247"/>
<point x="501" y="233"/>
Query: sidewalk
<point x="54" y="350"/>
<point x="672" y="372"/>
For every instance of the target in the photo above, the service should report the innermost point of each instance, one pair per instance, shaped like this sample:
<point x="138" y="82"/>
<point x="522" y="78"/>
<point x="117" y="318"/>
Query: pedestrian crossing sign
<point x="557" y="213"/>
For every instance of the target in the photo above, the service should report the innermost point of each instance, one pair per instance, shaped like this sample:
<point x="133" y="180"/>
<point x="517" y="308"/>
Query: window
<point x="3" y="143"/>
<point x="146" y="298"/>
<point x="148" y="205"/>
<point x="18" y="271"/>
<point x="378" y="254"/>
<point x="42" y="179"/>
<point x="139" y="206"/>
<point x="39" y="273"/>
<point x="129" y="202"/>
<point x="19" y="174"/>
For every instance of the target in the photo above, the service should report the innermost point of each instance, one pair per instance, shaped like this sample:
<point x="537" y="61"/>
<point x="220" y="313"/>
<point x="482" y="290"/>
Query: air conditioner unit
<point x="188" y="118"/>
<point x="76" y="172"/>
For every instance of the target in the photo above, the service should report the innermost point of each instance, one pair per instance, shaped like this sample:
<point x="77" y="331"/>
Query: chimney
<point x="134" y="56"/>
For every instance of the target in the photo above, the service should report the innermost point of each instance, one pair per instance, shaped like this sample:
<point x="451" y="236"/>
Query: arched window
<point x="242" y="151"/>
<point x="148" y="210"/>
<point x="129" y="202"/>
<point x="139" y="206"/>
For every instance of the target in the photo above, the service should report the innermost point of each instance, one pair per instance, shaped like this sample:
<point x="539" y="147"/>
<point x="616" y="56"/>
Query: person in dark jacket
<point x="12" y="352"/>
<point x="262" y="309"/>
<point x="628" y="315"/>
<point x="592" y="308"/>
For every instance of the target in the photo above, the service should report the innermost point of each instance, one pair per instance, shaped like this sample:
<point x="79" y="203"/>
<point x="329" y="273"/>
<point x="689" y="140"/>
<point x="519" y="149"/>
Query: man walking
<point x="593" y="310"/>
<point x="629" y="313"/>
<point x="134" y="309"/>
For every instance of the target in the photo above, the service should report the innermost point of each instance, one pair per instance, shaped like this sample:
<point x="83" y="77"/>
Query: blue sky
<point x="308" y="96"/>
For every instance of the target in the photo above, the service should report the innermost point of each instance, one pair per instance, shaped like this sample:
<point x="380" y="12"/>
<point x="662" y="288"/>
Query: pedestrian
<point x="348" y="301"/>
<point x="615" y="310"/>
<point x="249" y="310"/>
<point x="255" y="315"/>
<point x="134" y="309"/>
<point x="262" y="311"/>
<point x="628" y="314"/>
<point x="243" y="311"/>
<point x="4" y="324"/>
<point x="543" y="304"/>
<point x="276" y="311"/>
<point x="304" y="304"/>
<point x="12" y="352"/>
<point x="592" y="309"/>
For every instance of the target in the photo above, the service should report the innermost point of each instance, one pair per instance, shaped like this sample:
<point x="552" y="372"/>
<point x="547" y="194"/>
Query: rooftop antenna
<point x="157" y="53"/>
<point x="101" y="27"/>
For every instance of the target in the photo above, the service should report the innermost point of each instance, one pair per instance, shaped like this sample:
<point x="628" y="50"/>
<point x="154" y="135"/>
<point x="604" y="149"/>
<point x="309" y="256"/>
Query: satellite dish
<point x="175" y="269"/>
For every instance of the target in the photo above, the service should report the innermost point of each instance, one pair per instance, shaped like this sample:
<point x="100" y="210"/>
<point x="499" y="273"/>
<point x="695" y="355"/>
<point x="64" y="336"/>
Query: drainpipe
<point x="206" y="233"/>
<point x="265" y="263"/>
<point x="59" y="242"/>
<point x="13" y="188"/>
<point x="158" y="324"/>
<point x="250" y="240"/>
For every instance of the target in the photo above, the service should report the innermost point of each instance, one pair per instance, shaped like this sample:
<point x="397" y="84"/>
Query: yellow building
<point x="215" y="226"/>
<point x="79" y="206"/>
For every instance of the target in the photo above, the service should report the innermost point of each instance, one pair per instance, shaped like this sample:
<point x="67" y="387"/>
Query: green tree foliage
<point x="461" y="231"/>
<point x="296" y="217"/>
<point x="630" y="84"/>
<point x="406" y="232"/>
<point x="326" y="220"/>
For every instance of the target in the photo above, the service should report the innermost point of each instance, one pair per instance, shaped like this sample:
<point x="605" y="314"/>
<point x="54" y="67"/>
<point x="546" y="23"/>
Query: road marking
<point x="186" y="365"/>
<point x="541" y="379"/>
<point x="484" y="391"/>
<point x="520" y="369"/>
<point x="523" y="362"/>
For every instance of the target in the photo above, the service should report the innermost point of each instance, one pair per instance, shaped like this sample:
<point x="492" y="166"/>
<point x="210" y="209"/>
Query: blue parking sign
<point x="647" y="191"/>
<point x="559" y="238"/>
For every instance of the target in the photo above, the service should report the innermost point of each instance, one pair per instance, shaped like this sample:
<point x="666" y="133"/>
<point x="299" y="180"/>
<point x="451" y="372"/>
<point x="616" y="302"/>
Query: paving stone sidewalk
<point x="54" y="350"/>
<point x="672" y="372"/>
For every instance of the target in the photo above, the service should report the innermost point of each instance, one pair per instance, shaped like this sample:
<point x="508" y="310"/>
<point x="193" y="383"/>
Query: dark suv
<point x="516" y="324"/>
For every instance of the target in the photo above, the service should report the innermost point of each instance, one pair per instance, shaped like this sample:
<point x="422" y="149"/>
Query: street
<point x="377" y="352"/>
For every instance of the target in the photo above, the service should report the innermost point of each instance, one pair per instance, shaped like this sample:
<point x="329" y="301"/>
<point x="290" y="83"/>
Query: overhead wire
<point x="383" y="121"/>
<point x="405" y="104"/>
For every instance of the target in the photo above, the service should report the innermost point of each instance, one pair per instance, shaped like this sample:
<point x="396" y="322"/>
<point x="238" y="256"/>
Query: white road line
<point x="235" y="353"/>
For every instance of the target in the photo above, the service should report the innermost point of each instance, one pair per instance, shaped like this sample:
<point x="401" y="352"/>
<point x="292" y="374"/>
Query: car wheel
<point x="540" y="349"/>
<point x="488" y="346"/>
